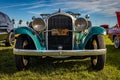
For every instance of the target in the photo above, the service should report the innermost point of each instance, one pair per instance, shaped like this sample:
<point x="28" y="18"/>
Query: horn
<point x="89" y="24"/>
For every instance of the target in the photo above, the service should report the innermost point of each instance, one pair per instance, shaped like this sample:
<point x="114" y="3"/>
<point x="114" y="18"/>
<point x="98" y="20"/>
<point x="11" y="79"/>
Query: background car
<point x="60" y="35"/>
<point x="6" y="30"/>
<point x="114" y="33"/>
<point x="106" y="26"/>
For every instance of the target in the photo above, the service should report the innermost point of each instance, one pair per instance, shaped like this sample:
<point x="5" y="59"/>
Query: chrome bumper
<point x="3" y="33"/>
<point x="59" y="52"/>
<point x="3" y="36"/>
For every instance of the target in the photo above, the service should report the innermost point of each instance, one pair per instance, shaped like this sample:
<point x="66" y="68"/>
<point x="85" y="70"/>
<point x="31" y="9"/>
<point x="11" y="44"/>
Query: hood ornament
<point x="59" y="10"/>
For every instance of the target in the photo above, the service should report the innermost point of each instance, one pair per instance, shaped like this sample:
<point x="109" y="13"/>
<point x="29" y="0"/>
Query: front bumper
<point x="59" y="52"/>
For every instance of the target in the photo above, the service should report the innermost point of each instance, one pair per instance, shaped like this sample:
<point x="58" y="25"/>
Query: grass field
<point x="59" y="69"/>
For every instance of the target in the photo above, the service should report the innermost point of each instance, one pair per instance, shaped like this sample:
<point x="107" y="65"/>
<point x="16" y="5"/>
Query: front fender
<point x="96" y="30"/>
<point x="28" y="31"/>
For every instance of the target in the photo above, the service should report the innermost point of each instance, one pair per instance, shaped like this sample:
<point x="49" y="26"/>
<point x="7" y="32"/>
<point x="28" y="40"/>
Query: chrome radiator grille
<point x="60" y="22"/>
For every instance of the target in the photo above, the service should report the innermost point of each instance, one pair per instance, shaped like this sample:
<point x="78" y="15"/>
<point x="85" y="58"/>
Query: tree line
<point x="20" y="22"/>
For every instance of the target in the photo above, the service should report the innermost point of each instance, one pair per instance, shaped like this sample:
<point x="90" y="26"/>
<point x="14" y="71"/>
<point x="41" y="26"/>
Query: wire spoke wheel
<point x="11" y="38"/>
<point x="97" y="61"/>
<point x="22" y="62"/>
<point x="116" y="42"/>
<point x="94" y="58"/>
<point x="25" y="61"/>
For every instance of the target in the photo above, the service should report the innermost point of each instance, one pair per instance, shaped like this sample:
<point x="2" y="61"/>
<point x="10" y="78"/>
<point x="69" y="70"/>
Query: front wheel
<point x="23" y="42"/>
<point x="97" y="61"/>
<point x="11" y="38"/>
<point x="116" y="42"/>
<point x="22" y="62"/>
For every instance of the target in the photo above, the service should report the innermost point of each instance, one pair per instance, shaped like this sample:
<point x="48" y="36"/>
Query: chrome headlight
<point x="38" y="24"/>
<point x="80" y="24"/>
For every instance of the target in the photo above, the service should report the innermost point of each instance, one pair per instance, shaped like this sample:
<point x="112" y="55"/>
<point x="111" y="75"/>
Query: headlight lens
<point x="80" y="24"/>
<point x="38" y="24"/>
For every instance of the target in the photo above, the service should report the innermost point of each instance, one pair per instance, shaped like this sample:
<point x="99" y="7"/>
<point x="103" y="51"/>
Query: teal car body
<point x="29" y="32"/>
<point x="95" y="30"/>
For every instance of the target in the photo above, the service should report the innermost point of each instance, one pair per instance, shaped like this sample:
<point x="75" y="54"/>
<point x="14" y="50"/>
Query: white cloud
<point x="105" y="7"/>
<point x="33" y="12"/>
<point x="39" y="5"/>
<point x="20" y="5"/>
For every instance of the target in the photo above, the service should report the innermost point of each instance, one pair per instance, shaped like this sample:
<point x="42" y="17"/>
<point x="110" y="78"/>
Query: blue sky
<point x="100" y="11"/>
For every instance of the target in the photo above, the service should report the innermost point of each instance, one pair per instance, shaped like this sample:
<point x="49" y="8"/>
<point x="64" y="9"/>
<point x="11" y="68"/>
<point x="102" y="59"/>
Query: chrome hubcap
<point x="25" y="61"/>
<point x="11" y="38"/>
<point x="116" y="42"/>
<point x="94" y="61"/>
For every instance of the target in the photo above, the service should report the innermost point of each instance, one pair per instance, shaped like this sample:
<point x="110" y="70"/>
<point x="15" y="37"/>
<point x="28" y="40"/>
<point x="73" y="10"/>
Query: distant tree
<point x="20" y="22"/>
<point x="27" y="23"/>
<point x="33" y="17"/>
<point x="13" y="21"/>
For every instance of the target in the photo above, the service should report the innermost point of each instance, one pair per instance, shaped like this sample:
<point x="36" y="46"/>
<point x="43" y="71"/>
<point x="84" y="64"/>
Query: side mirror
<point x="89" y="24"/>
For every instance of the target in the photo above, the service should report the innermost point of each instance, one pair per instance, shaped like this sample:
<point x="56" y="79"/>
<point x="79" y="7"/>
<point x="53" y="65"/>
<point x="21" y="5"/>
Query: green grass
<point x="59" y="69"/>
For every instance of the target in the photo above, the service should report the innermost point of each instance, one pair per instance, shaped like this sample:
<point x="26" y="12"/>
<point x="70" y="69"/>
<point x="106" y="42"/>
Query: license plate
<point x="59" y="32"/>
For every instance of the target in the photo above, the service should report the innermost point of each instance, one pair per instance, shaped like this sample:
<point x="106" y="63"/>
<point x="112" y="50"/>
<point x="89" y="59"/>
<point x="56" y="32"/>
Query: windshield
<point x="8" y="19"/>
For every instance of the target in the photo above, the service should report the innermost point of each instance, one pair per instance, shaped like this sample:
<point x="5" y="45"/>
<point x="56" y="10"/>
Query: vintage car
<point x="6" y="30"/>
<point x="114" y="33"/>
<point x="106" y="26"/>
<point x="60" y="35"/>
